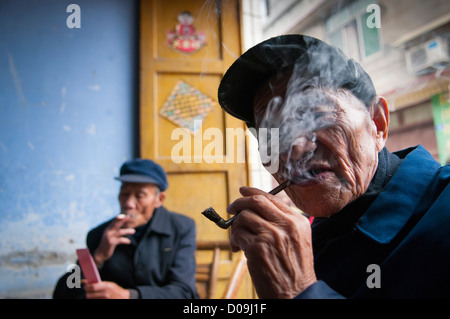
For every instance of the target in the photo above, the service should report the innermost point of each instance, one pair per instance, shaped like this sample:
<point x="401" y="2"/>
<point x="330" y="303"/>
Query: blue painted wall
<point x="68" y="119"/>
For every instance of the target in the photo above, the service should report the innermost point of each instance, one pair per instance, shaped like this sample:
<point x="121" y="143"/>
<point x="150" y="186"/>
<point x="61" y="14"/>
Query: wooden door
<point x="179" y="82"/>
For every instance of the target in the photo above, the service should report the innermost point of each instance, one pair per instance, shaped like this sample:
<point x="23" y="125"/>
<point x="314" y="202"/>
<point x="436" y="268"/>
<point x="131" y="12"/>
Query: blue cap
<point x="143" y="171"/>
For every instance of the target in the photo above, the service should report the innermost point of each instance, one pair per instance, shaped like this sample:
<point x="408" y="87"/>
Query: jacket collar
<point x="160" y="222"/>
<point x="401" y="195"/>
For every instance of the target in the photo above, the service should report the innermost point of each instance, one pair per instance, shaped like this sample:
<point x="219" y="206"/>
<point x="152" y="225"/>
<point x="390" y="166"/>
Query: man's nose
<point x="302" y="147"/>
<point x="128" y="202"/>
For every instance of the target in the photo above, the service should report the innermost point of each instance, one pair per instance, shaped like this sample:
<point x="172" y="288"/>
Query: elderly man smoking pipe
<point x="374" y="210"/>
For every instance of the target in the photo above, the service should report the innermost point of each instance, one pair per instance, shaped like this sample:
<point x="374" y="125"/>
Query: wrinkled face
<point x="139" y="200"/>
<point x="332" y="162"/>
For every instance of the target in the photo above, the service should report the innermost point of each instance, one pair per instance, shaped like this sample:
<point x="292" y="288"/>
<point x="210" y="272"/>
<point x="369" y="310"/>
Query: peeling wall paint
<point x="32" y="258"/>
<point x="68" y="99"/>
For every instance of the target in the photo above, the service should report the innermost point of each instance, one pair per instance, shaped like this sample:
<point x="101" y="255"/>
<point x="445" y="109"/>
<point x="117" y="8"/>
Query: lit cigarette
<point x="123" y="215"/>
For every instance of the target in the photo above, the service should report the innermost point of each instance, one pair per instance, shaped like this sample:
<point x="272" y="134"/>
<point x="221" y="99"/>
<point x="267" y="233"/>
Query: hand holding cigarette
<point x="112" y="236"/>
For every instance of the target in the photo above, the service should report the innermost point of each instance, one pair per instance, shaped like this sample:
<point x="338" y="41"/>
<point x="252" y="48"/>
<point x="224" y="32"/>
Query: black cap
<point x="312" y="58"/>
<point x="143" y="171"/>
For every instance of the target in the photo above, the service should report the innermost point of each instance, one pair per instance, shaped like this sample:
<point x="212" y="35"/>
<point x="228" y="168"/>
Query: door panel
<point x="207" y="84"/>
<point x="206" y="19"/>
<point x="201" y="178"/>
<point x="204" y="196"/>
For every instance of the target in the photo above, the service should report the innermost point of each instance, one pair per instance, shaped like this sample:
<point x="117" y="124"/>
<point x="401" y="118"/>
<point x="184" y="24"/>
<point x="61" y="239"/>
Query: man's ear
<point x="380" y="116"/>
<point x="160" y="199"/>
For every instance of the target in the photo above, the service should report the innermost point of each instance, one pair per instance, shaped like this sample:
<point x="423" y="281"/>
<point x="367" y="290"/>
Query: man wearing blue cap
<point x="146" y="251"/>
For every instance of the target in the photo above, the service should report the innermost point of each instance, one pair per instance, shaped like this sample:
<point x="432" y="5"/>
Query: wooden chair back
<point x="207" y="275"/>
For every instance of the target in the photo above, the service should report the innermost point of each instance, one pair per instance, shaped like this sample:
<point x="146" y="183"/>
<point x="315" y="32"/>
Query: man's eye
<point x="318" y="115"/>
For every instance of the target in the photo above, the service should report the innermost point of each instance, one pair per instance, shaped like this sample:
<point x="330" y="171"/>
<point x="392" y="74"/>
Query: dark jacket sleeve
<point x="319" y="290"/>
<point x="180" y="280"/>
<point x="62" y="291"/>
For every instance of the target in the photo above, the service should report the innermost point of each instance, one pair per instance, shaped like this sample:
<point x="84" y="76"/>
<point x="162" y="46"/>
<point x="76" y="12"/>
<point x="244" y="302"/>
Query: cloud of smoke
<point x="315" y="88"/>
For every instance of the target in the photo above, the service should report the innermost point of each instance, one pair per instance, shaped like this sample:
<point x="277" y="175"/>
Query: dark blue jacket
<point x="161" y="265"/>
<point x="405" y="231"/>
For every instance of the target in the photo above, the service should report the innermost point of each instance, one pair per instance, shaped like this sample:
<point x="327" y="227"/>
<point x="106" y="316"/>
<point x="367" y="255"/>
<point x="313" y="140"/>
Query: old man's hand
<point x="112" y="236"/>
<point x="276" y="241"/>
<point x="106" y="290"/>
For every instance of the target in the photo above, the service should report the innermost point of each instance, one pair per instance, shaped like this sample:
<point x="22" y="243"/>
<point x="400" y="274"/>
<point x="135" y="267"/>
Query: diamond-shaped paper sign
<point x="186" y="106"/>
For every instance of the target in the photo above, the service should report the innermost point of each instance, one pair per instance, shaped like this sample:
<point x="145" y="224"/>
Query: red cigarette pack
<point x="88" y="266"/>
